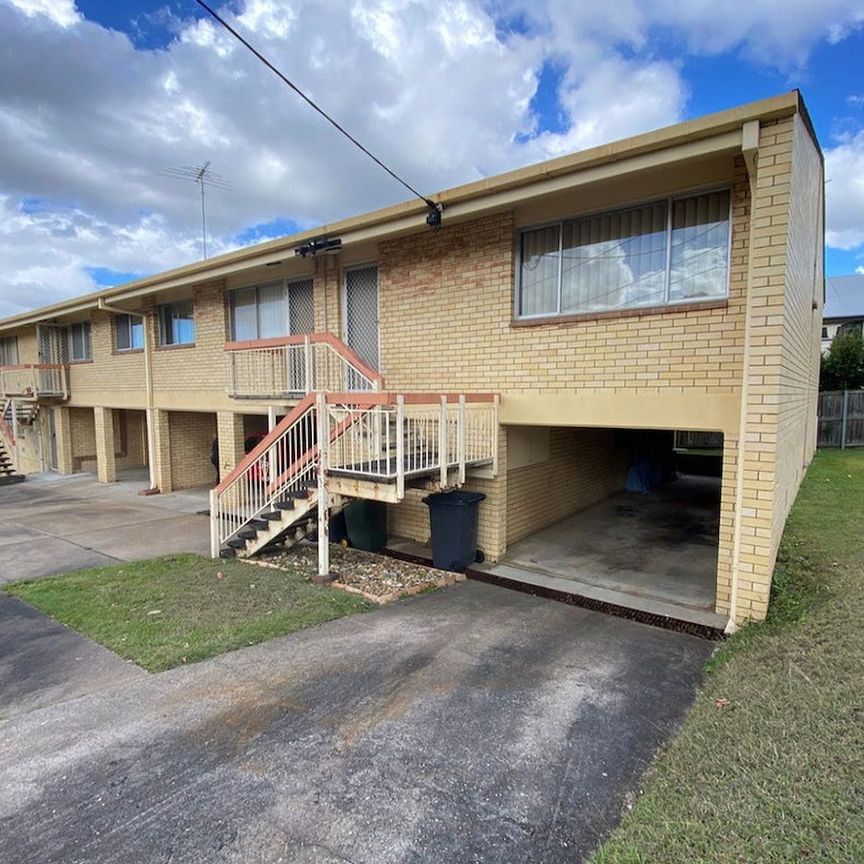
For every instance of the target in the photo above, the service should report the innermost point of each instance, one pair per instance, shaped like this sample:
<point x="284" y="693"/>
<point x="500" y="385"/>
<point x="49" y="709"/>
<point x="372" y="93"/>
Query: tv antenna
<point x="205" y="177"/>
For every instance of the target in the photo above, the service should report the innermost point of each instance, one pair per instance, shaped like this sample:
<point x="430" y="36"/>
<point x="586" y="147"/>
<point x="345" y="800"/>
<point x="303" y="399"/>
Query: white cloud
<point x="844" y="193"/>
<point x="61" y="12"/>
<point x="440" y="89"/>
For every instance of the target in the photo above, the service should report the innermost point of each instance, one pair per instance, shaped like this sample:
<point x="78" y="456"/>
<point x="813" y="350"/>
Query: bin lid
<point x="456" y="498"/>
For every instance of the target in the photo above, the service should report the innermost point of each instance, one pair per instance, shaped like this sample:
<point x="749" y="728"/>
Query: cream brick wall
<point x="584" y="466"/>
<point x="83" y="437"/>
<point x="783" y="366"/>
<point x="200" y="367"/>
<point x="191" y="437"/>
<point x="110" y="370"/>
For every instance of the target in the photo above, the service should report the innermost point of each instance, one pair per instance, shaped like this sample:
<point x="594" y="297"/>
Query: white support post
<point x="400" y="447"/>
<point x="232" y="373"/>
<point x="460" y="439"/>
<point x="323" y="503"/>
<point x="442" y="442"/>
<point x="495" y="435"/>
<point x="307" y="364"/>
<point x="214" y="524"/>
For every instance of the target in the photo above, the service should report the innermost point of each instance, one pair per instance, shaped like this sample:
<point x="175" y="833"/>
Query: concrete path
<point x="471" y="725"/>
<point x="51" y="524"/>
<point x="43" y="662"/>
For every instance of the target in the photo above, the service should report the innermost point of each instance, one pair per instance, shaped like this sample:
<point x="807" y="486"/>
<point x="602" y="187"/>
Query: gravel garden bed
<point x="377" y="577"/>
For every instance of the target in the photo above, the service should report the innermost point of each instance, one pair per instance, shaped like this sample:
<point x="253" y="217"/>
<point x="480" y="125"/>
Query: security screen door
<point x="361" y="313"/>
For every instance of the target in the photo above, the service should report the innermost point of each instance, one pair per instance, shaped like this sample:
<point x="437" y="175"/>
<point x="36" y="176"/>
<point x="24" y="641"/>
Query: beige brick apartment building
<point x="575" y="313"/>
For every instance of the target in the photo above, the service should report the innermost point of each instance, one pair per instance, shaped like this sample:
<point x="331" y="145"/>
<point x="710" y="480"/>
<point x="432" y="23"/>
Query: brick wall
<point x="584" y="466"/>
<point x="783" y="369"/>
<point x="191" y="435"/>
<point x="201" y="366"/>
<point x="446" y="310"/>
<point x="83" y="435"/>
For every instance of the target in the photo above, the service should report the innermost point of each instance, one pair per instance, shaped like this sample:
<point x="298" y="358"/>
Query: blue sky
<point x="444" y="90"/>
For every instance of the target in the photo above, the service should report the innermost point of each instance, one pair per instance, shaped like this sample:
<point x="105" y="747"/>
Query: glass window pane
<point x="615" y="260"/>
<point x="271" y="311"/>
<point x="538" y="284"/>
<point x="700" y="247"/>
<point x="137" y="326"/>
<point x="121" y="331"/>
<point x="184" y="322"/>
<point x="244" y="321"/>
<point x="77" y="346"/>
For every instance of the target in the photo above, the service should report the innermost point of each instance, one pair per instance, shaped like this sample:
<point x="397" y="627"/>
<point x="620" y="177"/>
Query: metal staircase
<point x="8" y="474"/>
<point x="337" y="447"/>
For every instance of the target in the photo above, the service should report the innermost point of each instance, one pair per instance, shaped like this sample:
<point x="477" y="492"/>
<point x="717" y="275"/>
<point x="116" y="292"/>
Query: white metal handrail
<point x="380" y="437"/>
<point x="297" y="365"/>
<point x="395" y="441"/>
<point x="284" y="462"/>
<point x="32" y="381"/>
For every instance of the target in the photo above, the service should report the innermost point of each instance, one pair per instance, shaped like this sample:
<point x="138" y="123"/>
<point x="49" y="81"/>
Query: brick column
<point x="106" y="468"/>
<point x="63" y="435"/>
<point x="229" y="429"/>
<point x="162" y="450"/>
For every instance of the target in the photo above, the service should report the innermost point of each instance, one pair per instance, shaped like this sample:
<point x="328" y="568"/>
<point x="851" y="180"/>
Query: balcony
<point x="34" y="382"/>
<point x="289" y="367"/>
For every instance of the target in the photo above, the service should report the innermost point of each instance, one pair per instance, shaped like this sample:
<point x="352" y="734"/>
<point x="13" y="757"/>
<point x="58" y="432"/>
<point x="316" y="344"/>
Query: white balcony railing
<point x="34" y="381"/>
<point x="291" y="366"/>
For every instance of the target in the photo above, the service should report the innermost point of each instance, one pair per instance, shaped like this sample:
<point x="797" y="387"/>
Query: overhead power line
<point x="433" y="217"/>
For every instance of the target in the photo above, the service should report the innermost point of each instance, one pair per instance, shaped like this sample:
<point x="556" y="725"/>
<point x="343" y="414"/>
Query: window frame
<point x="5" y="342"/>
<point x="667" y="303"/>
<point x="286" y="300"/>
<point x="88" y="355"/>
<point x="161" y="333"/>
<point x="132" y="347"/>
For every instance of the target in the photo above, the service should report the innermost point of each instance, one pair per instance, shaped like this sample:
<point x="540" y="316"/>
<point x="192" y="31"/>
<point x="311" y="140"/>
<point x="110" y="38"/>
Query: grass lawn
<point x="769" y="766"/>
<point x="167" y="611"/>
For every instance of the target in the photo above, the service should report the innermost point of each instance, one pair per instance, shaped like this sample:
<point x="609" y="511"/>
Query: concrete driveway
<point x="471" y="725"/>
<point x="52" y="524"/>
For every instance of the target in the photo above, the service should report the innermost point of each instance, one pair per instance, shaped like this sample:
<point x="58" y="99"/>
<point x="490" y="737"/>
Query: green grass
<point x="769" y="766"/>
<point x="168" y="611"/>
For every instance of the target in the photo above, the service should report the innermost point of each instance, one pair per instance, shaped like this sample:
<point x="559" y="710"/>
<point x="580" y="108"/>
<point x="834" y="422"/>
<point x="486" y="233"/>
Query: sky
<point x="99" y="98"/>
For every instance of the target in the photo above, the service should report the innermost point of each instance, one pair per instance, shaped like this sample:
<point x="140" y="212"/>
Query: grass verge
<point x="769" y="766"/>
<point x="168" y="611"/>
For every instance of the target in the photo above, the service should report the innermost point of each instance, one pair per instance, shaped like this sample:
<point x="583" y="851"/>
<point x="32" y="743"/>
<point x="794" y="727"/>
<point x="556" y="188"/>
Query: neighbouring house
<point x="644" y="315"/>
<point x="844" y="307"/>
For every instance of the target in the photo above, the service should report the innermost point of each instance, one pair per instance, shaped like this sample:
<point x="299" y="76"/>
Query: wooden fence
<point x="841" y="418"/>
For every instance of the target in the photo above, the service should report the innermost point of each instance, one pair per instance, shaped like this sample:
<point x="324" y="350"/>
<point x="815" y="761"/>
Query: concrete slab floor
<point x="655" y="552"/>
<point x="53" y="524"/>
<point x="470" y="725"/>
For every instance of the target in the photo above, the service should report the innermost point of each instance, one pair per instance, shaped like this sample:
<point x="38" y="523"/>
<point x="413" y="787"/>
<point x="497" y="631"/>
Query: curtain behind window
<point x="615" y="260"/>
<point x="539" y="277"/>
<point x="700" y="247"/>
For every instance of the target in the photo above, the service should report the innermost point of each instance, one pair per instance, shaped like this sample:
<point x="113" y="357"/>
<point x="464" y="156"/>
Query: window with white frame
<point x="80" y="347"/>
<point x="273" y="309"/>
<point x="665" y="252"/>
<point x="177" y="323"/>
<point x="128" y="332"/>
<point x="9" y="351"/>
